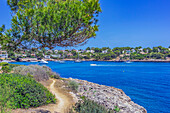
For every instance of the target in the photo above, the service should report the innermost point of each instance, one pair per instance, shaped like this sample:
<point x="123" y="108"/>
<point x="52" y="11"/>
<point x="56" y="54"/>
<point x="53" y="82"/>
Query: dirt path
<point x="63" y="104"/>
<point x="62" y="101"/>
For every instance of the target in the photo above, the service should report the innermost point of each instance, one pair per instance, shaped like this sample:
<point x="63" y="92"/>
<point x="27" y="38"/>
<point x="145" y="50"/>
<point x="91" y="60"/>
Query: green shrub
<point x="117" y="109"/>
<point x="40" y="73"/>
<point x="56" y="76"/>
<point x="29" y="75"/>
<point x="73" y="85"/>
<point x="11" y="66"/>
<point x="4" y="64"/>
<point x="88" y="106"/>
<point x="5" y="69"/>
<point x="25" y="91"/>
<point x="5" y="95"/>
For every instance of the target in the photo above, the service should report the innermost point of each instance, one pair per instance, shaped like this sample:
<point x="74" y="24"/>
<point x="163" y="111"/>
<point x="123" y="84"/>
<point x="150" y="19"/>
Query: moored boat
<point x="43" y="62"/>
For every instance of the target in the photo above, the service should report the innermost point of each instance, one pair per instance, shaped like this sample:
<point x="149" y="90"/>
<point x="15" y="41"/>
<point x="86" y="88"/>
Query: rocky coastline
<point x="145" y="60"/>
<point x="107" y="96"/>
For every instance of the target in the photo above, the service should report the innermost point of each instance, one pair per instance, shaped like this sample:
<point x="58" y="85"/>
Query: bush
<point x="25" y="91"/>
<point x="3" y="64"/>
<point x="5" y="95"/>
<point x="56" y="76"/>
<point x="117" y="109"/>
<point x="73" y="85"/>
<point x="88" y="106"/>
<point x="11" y="66"/>
<point x="5" y="69"/>
<point x="40" y="73"/>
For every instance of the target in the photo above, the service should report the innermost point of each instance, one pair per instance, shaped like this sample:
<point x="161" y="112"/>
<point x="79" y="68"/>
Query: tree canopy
<point x="50" y="23"/>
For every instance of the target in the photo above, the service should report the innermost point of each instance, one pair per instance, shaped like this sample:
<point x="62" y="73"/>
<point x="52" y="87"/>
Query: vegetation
<point x="56" y="76"/>
<point x="88" y="106"/>
<point x="6" y="67"/>
<point x="5" y="95"/>
<point x="24" y="92"/>
<point x="117" y="109"/>
<point x="73" y="85"/>
<point x="50" y="23"/>
<point x="40" y="73"/>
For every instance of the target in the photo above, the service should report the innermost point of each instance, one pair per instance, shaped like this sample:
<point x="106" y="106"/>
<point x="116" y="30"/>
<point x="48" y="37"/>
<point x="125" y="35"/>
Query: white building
<point x="105" y="51"/>
<point x="89" y="51"/>
<point x="3" y="54"/>
<point x="56" y="56"/>
<point x="56" y="51"/>
<point x="47" y="56"/>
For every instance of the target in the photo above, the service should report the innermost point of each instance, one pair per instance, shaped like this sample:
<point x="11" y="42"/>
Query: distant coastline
<point x="146" y="60"/>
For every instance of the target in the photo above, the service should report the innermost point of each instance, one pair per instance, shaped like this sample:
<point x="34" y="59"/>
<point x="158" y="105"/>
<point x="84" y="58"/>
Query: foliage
<point x="117" y="109"/>
<point x="73" y="85"/>
<point x="88" y="106"/>
<point x="40" y="73"/>
<point x="5" y="69"/>
<point x="25" y="92"/>
<point x="5" y="95"/>
<point x="11" y="66"/>
<point x="51" y="23"/>
<point x="56" y="76"/>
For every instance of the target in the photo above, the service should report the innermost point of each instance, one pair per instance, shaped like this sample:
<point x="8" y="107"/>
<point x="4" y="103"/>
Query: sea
<point x="146" y="83"/>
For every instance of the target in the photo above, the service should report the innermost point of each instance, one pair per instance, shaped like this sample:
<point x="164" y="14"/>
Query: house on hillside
<point x="128" y="51"/>
<point x="105" y="51"/>
<point x="47" y="56"/>
<point x="70" y="54"/>
<point x="56" y="51"/>
<point x="56" y="56"/>
<point x="89" y="51"/>
<point x="3" y="54"/>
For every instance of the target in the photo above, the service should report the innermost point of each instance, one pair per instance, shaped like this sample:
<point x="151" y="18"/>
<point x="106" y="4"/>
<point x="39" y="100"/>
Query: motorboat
<point x="56" y="61"/>
<point x="128" y="61"/>
<point x="61" y="61"/>
<point x="43" y="62"/>
<point x="93" y="64"/>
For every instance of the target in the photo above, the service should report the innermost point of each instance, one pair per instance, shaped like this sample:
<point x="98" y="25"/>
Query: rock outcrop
<point x="108" y="97"/>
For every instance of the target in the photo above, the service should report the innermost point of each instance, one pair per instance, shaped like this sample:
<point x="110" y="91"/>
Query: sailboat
<point x="78" y="60"/>
<point x="62" y="61"/>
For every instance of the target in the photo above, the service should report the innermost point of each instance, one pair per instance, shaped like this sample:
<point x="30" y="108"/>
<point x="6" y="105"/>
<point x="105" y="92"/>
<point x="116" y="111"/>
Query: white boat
<point x="128" y="61"/>
<point x="61" y="61"/>
<point x="56" y="61"/>
<point x="43" y="62"/>
<point x="77" y="61"/>
<point x="93" y="64"/>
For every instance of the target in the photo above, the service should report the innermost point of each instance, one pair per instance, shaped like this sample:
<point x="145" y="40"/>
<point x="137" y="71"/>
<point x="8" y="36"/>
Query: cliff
<point x="108" y="97"/>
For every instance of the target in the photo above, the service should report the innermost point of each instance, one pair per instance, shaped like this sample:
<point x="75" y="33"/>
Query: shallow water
<point x="147" y="83"/>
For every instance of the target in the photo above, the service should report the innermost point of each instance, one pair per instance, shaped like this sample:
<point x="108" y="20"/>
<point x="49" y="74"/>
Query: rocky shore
<point x="108" y="97"/>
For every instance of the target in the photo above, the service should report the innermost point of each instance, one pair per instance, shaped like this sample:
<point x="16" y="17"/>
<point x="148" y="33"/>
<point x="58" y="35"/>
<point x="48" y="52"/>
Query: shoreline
<point x="108" y="96"/>
<point x="149" y="60"/>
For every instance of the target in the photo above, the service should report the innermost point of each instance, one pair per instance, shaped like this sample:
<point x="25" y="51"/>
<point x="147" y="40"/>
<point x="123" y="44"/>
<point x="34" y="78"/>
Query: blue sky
<point x="125" y="23"/>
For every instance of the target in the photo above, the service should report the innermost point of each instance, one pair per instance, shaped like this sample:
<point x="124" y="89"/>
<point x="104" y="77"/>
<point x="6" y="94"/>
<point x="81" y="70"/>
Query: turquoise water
<point x="147" y="84"/>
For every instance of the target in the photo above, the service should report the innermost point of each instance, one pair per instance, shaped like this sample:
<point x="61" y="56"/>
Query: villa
<point x="3" y="55"/>
<point x="47" y="56"/>
<point x="104" y="51"/>
<point x="56" y="56"/>
<point x="90" y="51"/>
